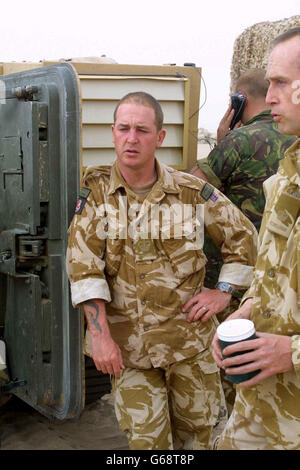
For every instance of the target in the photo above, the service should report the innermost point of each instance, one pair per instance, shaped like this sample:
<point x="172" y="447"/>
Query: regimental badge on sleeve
<point x="83" y="195"/>
<point x="208" y="192"/>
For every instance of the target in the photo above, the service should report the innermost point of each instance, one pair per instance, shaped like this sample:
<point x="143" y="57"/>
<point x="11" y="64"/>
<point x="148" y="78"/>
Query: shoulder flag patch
<point x="214" y="196"/>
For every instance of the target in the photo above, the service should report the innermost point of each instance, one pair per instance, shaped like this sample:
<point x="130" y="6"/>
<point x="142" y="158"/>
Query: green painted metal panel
<point x="39" y="183"/>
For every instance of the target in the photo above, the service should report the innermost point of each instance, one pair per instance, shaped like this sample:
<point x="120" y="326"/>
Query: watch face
<point x="224" y="287"/>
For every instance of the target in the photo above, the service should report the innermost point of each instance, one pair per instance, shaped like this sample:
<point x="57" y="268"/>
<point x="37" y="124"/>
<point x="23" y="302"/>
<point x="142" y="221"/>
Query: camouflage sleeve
<point x="296" y="353"/>
<point x="85" y="264"/>
<point x="236" y="237"/>
<point x="225" y="157"/>
<point x="268" y="188"/>
<point x="209" y="173"/>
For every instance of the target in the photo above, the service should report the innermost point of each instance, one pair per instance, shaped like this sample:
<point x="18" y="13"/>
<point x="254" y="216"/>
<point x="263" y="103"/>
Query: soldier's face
<point x="283" y="96"/>
<point x="135" y="136"/>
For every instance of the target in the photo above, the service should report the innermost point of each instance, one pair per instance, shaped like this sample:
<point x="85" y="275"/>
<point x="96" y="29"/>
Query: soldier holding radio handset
<point x="249" y="147"/>
<point x="238" y="103"/>
<point x="232" y="119"/>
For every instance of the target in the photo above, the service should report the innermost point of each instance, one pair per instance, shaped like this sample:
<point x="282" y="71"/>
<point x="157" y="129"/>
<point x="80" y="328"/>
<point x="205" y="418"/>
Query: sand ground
<point x="23" y="428"/>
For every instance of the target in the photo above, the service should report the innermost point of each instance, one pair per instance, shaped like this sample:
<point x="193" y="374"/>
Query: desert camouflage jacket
<point x="276" y="304"/>
<point x="239" y="165"/>
<point x="145" y="259"/>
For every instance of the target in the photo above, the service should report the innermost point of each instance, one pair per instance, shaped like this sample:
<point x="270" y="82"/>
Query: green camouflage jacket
<point x="238" y="166"/>
<point x="276" y="305"/>
<point x="146" y="259"/>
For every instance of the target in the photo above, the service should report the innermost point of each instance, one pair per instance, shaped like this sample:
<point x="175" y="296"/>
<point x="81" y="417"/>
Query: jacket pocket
<point x="185" y="255"/>
<point x="113" y="256"/>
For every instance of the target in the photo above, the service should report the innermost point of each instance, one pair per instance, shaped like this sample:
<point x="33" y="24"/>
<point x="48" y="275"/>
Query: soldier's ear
<point x="112" y="130"/>
<point x="243" y="92"/>
<point x="160" y="137"/>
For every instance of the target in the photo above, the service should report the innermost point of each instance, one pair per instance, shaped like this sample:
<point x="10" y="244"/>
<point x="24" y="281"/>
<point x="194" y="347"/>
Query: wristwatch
<point x="225" y="287"/>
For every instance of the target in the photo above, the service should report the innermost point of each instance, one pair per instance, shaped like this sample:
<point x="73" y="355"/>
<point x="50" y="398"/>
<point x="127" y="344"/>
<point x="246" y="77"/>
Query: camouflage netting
<point x="251" y="48"/>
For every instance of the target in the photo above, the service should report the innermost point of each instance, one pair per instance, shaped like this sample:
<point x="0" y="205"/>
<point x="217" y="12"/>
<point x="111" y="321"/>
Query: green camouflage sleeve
<point x="236" y="237"/>
<point x="84" y="260"/>
<point x="244" y="159"/>
<point x="209" y="173"/>
<point x="225" y="157"/>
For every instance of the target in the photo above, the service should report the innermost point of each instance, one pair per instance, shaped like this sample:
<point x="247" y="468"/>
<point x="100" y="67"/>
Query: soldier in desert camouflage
<point x="136" y="264"/>
<point x="266" y="413"/>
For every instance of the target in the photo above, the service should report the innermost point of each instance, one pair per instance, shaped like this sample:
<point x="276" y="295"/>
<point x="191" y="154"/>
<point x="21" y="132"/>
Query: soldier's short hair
<point x="253" y="81"/>
<point x="140" y="97"/>
<point x="289" y="34"/>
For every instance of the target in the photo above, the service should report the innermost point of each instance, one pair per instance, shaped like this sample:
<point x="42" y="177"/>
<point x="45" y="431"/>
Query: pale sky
<point x="138" y="32"/>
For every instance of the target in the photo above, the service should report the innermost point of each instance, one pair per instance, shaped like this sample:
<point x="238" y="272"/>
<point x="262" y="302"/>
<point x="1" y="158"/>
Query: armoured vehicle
<point x="55" y="120"/>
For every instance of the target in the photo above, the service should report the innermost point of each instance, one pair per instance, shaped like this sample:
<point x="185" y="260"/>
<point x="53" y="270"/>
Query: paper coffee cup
<point x="231" y="332"/>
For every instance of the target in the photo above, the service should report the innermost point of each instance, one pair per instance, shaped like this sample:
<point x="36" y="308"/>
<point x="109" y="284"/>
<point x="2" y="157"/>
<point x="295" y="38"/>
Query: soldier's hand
<point x="269" y="353"/>
<point x="243" y="312"/>
<point x="224" y="126"/>
<point x="209" y="302"/>
<point x="107" y="356"/>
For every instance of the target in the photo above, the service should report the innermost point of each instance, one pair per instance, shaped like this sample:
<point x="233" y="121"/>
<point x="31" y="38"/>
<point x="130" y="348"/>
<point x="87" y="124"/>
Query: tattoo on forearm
<point x="94" y="314"/>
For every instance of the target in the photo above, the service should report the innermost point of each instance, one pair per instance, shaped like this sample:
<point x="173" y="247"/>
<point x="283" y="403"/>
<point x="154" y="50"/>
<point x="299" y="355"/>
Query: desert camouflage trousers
<point x="241" y="433"/>
<point x="173" y="408"/>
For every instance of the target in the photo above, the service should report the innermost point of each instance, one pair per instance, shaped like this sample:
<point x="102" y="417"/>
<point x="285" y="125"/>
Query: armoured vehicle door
<point x="39" y="182"/>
